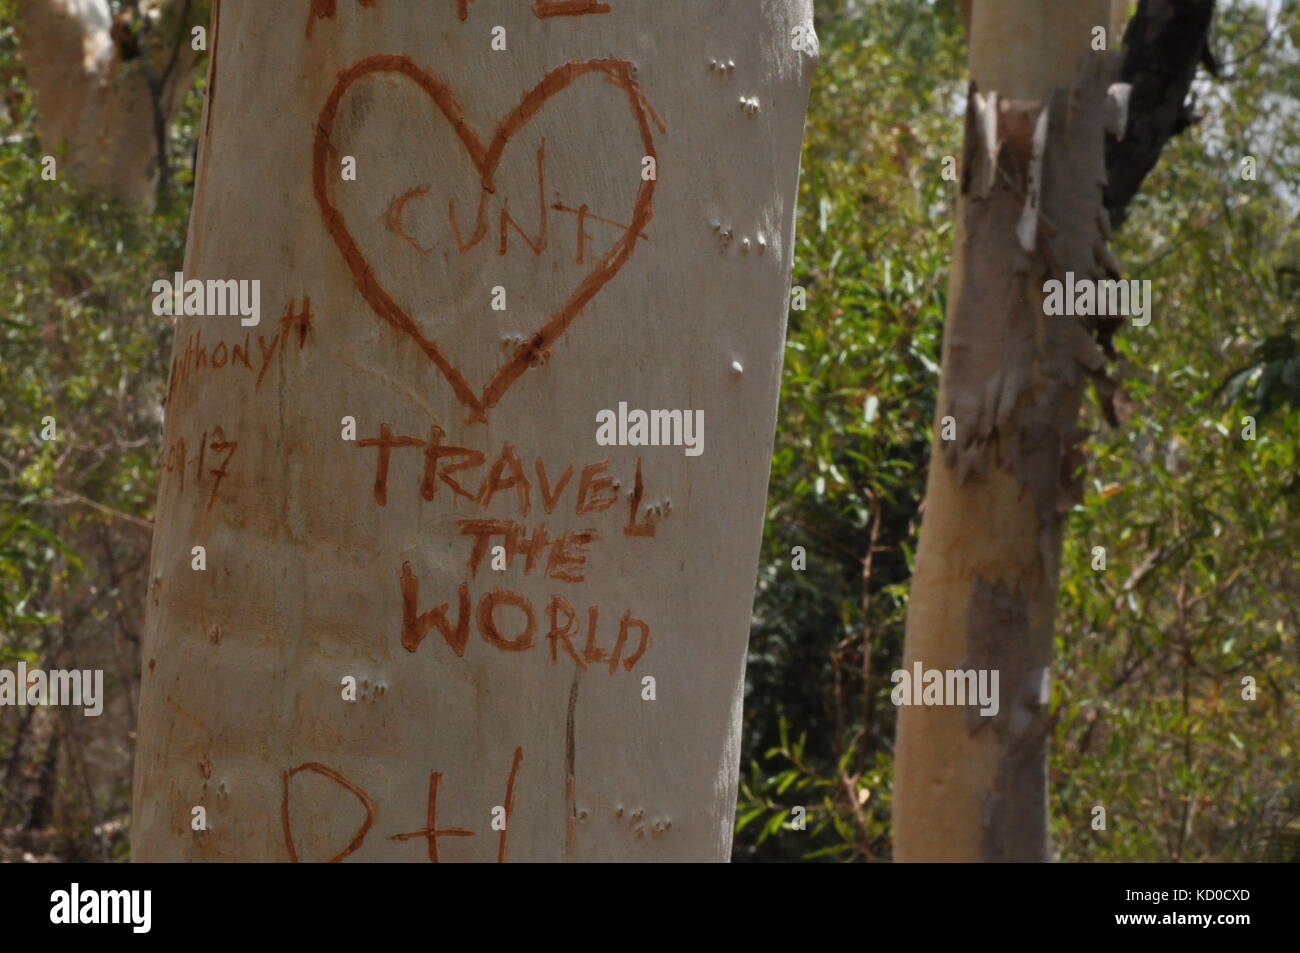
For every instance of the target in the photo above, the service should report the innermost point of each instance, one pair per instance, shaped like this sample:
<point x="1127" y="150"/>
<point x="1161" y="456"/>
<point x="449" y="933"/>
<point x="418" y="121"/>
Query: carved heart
<point x="485" y="159"/>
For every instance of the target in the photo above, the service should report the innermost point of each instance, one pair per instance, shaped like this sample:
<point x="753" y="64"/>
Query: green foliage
<point x="1200" y="589"/>
<point x="861" y="373"/>
<point x="1199" y="525"/>
<point x="78" y="343"/>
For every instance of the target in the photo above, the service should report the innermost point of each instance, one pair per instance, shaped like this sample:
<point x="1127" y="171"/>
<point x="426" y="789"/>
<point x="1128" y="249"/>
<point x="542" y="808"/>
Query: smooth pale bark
<point x="374" y="307"/>
<point x="970" y="787"/>
<point x="94" y="110"/>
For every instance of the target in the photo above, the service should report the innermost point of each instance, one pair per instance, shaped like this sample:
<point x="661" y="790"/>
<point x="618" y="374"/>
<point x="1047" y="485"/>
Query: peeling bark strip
<point x="212" y="67"/>
<point x="1032" y="179"/>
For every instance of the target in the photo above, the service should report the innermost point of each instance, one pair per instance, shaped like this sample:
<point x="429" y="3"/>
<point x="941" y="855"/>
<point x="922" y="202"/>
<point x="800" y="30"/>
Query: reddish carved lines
<point x="175" y="460"/>
<point x="502" y="845"/>
<point x="563" y="628"/>
<point x="327" y="9"/>
<point x="196" y="357"/>
<point x="596" y="491"/>
<point x="567" y="8"/>
<point x="431" y="831"/>
<point x="393" y="218"/>
<point x="485" y="157"/>
<point x="542" y="9"/>
<point x="339" y="779"/>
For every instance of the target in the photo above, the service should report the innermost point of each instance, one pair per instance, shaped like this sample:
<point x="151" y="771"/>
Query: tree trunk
<point x="104" y="98"/>
<point x="547" y="633"/>
<point x="972" y="786"/>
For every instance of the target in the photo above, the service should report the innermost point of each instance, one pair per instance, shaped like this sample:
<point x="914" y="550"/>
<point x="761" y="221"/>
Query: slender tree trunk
<point x="547" y="633"/>
<point x="104" y="93"/>
<point x="971" y="786"/>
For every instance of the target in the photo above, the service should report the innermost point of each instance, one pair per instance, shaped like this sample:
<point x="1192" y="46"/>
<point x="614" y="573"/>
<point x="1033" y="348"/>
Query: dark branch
<point x="1162" y="46"/>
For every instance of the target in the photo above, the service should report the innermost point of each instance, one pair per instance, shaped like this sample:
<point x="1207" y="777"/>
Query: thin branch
<point x="71" y="496"/>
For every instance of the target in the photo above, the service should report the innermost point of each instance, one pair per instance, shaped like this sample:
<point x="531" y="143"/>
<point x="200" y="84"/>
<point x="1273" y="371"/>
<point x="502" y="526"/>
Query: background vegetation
<point x="1202" y="579"/>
